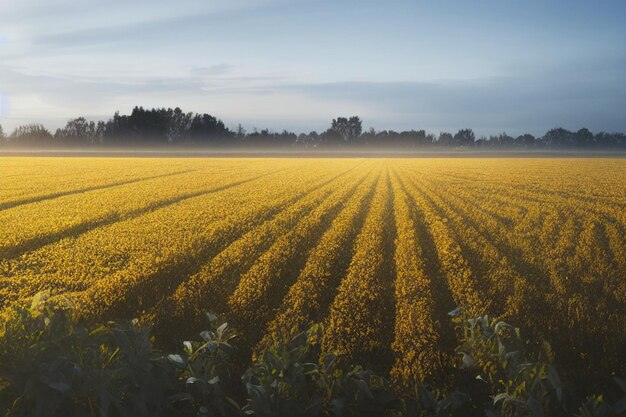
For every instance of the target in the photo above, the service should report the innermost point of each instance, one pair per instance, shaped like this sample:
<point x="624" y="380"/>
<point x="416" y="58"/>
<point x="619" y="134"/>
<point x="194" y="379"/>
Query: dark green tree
<point x="208" y="129"/>
<point x="179" y="125"/>
<point x="32" y="134"/>
<point x="525" y="140"/>
<point x="584" y="138"/>
<point x="558" y="137"/>
<point x="349" y="129"/>
<point x="77" y="131"/>
<point x="464" y="137"/>
<point x="445" y="139"/>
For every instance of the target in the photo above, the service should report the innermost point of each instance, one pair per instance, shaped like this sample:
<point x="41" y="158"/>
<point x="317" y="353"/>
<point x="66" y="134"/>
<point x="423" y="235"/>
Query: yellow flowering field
<point x="377" y="250"/>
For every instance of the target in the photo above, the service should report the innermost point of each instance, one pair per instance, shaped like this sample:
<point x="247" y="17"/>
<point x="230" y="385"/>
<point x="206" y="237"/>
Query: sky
<point x="440" y="65"/>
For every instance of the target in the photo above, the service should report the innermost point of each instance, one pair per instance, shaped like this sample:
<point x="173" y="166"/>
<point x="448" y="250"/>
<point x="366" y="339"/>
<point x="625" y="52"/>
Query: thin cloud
<point x="218" y="69"/>
<point x="518" y="104"/>
<point x="299" y="64"/>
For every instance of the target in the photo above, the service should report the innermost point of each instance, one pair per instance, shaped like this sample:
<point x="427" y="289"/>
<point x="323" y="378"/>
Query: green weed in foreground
<point x="52" y="364"/>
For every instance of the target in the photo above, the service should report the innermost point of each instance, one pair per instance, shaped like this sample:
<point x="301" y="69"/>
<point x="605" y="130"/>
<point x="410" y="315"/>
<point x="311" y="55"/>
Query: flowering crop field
<point x="378" y="250"/>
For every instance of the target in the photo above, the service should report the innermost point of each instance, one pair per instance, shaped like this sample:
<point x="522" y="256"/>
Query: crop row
<point x="309" y="298"/>
<point x="134" y="249"/>
<point x="48" y="178"/>
<point x="262" y="287"/>
<point x="360" y="320"/>
<point x="34" y="225"/>
<point x="216" y="280"/>
<point x="377" y="250"/>
<point x="416" y="344"/>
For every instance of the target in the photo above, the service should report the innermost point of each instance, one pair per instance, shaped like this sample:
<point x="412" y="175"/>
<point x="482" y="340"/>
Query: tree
<point x="483" y="141"/>
<point x="150" y="126"/>
<point x="207" y="129"/>
<point x="179" y="125"/>
<point x="308" y="140"/>
<point x="368" y="136"/>
<point x="240" y="134"/>
<point x="525" y="140"/>
<point x="314" y="137"/>
<point x="100" y="131"/>
<point x="584" y="138"/>
<point x="464" y="137"/>
<point x="77" y="131"/>
<point x="32" y="134"/>
<point x="117" y="129"/>
<point x="331" y="137"/>
<point x="419" y="137"/>
<point x="160" y="126"/>
<point x="445" y="139"/>
<point x="2" y="136"/>
<point x="501" y="140"/>
<point x="348" y="129"/>
<point x="558" y="137"/>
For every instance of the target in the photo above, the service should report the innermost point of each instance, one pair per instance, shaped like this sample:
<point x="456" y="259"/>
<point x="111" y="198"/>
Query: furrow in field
<point x="589" y="312"/>
<point x="594" y="327"/>
<point x="310" y="296"/>
<point x="41" y="224"/>
<point x="148" y="288"/>
<point x="442" y="296"/>
<point x="419" y="353"/>
<point x="536" y="306"/>
<point x="562" y="230"/>
<point x="261" y="289"/>
<point x="498" y="246"/>
<point x="20" y="202"/>
<point x="616" y="242"/>
<point x="533" y="304"/>
<point x="360" y="323"/>
<point x="508" y="208"/>
<point x="584" y="191"/>
<point x="525" y="195"/>
<point x="506" y="287"/>
<point x="211" y="286"/>
<point x="37" y="177"/>
<point x="518" y="238"/>
<point x="33" y="177"/>
<point x="579" y="182"/>
<point x="593" y="263"/>
<point x="596" y="264"/>
<point x="613" y="213"/>
<point x="515" y="235"/>
<point x="462" y="282"/>
<point x="134" y="248"/>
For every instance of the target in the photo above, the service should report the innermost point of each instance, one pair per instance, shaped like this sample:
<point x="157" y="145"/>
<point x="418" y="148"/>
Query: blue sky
<point x="507" y="65"/>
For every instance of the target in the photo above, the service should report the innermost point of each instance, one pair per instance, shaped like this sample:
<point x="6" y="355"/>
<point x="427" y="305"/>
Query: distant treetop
<point x="161" y="126"/>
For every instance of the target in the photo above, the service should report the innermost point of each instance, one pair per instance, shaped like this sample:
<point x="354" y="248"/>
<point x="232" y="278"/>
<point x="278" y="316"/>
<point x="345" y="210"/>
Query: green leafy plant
<point x="54" y="366"/>
<point x="521" y="383"/>
<point x="204" y="366"/>
<point x="289" y="379"/>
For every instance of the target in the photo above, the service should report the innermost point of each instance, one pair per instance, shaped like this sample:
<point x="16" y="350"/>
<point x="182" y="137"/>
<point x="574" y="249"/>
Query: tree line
<point x="161" y="126"/>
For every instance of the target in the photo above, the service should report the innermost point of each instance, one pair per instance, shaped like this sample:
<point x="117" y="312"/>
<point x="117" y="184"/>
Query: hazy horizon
<point x="491" y="66"/>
